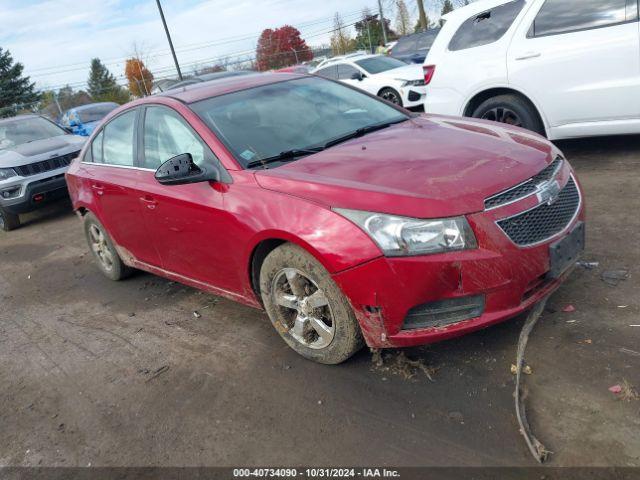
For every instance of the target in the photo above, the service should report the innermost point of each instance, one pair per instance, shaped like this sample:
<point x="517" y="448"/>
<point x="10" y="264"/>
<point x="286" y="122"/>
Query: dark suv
<point x="414" y="48"/>
<point x="34" y="156"/>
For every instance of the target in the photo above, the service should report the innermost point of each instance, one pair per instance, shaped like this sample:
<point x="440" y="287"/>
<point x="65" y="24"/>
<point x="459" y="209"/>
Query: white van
<point x="563" y="68"/>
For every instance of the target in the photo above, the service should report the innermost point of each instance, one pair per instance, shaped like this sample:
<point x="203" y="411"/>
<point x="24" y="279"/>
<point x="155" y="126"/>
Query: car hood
<point x="40" y="150"/>
<point x="408" y="72"/>
<point x="427" y="167"/>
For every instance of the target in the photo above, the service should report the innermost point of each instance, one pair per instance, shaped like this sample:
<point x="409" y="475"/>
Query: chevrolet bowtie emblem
<point x="549" y="192"/>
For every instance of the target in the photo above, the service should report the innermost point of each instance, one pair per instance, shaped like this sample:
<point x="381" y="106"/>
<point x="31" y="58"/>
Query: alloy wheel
<point x="391" y="96"/>
<point x="100" y="247"/>
<point x="304" y="308"/>
<point x="503" y="115"/>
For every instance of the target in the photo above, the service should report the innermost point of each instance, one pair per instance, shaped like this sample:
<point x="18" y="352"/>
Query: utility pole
<point x="384" y="26"/>
<point x="296" y="54"/>
<point x="173" y="52"/>
<point x="369" y="34"/>
<point x="423" y="15"/>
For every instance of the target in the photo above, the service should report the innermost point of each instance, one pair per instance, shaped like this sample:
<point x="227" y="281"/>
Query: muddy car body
<point x="412" y="231"/>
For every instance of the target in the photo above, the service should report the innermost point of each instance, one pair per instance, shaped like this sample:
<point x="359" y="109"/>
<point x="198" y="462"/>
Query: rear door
<point x="186" y="222"/>
<point x="114" y="179"/>
<point x="579" y="60"/>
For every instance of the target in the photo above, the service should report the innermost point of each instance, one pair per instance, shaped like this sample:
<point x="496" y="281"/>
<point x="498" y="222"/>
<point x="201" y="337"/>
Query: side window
<point x="118" y="141"/>
<point x="96" y="149"/>
<point x="328" y="72"/>
<point x="486" y="27"/>
<point x="345" y="72"/>
<point x="166" y="135"/>
<point x="564" y="16"/>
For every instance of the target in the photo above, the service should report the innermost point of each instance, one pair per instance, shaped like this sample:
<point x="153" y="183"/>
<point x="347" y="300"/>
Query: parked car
<point x="34" y="155"/>
<point x="379" y="75"/>
<point x="345" y="217"/>
<point x="207" y="77"/>
<point x="564" y="68"/>
<point x="295" y="69"/>
<point x="84" y="119"/>
<point x="414" y="48"/>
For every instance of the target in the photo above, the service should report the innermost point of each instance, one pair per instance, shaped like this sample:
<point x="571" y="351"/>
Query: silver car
<point x="34" y="156"/>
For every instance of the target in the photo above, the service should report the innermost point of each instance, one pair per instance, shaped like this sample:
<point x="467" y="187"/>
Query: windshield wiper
<point x="362" y="131"/>
<point x="286" y="156"/>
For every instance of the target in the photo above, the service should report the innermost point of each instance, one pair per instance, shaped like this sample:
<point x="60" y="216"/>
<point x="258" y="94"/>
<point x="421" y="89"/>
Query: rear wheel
<point x="390" y="95"/>
<point x="8" y="221"/>
<point x="103" y="250"/>
<point x="512" y="110"/>
<point x="307" y="308"/>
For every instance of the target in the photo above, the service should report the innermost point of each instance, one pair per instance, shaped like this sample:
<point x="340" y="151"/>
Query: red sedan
<point x="348" y="219"/>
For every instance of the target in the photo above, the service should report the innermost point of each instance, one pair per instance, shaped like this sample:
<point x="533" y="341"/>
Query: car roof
<point x="19" y="117"/>
<point x="92" y="105"/>
<point x="214" y="88"/>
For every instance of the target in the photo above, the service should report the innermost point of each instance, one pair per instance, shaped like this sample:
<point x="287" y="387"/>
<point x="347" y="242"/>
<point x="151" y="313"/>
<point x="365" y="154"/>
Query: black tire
<point x="391" y="95"/>
<point x="346" y="338"/>
<point x="8" y="221"/>
<point x="510" y="109"/>
<point x="115" y="269"/>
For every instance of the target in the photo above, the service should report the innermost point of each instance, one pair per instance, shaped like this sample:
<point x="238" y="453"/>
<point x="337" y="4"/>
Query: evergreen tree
<point x="101" y="81"/>
<point x="16" y="92"/>
<point x="447" y="7"/>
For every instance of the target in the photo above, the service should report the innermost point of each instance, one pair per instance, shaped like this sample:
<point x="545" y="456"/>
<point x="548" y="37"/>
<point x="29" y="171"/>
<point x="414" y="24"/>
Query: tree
<point x="16" y="91"/>
<point x="341" y="41"/>
<point x="423" y="20"/>
<point x="139" y="77"/>
<point x="369" y="31"/>
<point x="281" y="48"/>
<point x="100" y="79"/>
<point x="447" y="7"/>
<point x="403" y="19"/>
<point x="418" y="26"/>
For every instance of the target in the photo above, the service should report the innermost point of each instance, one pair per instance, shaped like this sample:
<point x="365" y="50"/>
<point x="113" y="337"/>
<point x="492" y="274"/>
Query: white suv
<point x="379" y="75"/>
<point x="564" y="68"/>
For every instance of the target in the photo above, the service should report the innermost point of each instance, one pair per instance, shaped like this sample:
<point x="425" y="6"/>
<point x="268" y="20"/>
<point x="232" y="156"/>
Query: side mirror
<point x="181" y="170"/>
<point x="357" y="76"/>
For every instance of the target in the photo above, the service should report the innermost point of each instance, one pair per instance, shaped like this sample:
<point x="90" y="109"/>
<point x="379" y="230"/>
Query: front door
<point x="580" y="60"/>
<point x="186" y="222"/>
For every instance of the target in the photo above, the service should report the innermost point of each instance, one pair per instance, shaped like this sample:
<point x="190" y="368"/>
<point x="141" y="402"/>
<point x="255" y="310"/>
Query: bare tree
<point x="403" y="19"/>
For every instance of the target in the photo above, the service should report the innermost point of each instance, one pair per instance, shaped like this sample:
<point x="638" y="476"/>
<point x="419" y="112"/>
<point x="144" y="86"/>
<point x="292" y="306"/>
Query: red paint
<point x="204" y="234"/>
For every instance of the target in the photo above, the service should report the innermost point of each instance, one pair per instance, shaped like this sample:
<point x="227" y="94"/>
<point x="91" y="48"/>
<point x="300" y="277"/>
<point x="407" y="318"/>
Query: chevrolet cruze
<point x="348" y="219"/>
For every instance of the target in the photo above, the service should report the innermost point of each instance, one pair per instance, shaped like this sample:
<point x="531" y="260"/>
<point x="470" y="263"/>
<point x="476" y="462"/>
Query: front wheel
<point x="512" y="110"/>
<point x="8" y="221"/>
<point x="390" y="95"/>
<point x="307" y="308"/>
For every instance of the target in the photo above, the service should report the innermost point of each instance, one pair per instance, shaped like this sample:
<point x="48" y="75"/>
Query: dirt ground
<point x="101" y="373"/>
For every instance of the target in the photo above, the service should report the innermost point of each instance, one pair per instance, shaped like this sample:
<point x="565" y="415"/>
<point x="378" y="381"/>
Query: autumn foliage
<point x="276" y="48"/>
<point x="139" y="77"/>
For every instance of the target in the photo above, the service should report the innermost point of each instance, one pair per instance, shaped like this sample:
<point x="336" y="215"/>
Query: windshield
<point x="380" y="64"/>
<point x="265" y="121"/>
<point x="25" y="130"/>
<point x="95" y="113"/>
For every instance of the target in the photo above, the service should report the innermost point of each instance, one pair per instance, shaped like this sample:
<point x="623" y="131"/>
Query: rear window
<point x="425" y="40"/>
<point x="405" y="45"/>
<point x="563" y="16"/>
<point x="486" y="27"/>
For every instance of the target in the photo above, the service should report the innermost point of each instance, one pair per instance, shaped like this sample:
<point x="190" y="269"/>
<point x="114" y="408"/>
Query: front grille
<point x="524" y="189"/>
<point x="46" y="165"/>
<point x="544" y="221"/>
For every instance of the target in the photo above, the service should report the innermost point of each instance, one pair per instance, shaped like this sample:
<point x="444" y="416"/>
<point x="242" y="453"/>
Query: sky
<point x="56" y="39"/>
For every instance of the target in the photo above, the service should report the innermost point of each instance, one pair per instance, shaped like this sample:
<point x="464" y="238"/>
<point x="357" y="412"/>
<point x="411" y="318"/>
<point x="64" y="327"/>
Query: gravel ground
<point x="102" y="373"/>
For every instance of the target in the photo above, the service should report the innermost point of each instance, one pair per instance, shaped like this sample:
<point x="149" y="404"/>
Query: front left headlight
<point x="6" y="173"/>
<point x="403" y="236"/>
<point x="411" y="83"/>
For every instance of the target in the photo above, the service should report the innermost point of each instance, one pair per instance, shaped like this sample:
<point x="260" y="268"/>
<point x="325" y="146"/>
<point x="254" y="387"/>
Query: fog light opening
<point x="444" y="312"/>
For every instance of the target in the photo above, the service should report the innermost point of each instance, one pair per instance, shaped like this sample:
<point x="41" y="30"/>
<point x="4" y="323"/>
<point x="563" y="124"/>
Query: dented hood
<point x="428" y="167"/>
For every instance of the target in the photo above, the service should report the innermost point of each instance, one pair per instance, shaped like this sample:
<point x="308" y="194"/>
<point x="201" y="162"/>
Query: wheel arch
<point x="476" y="100"/>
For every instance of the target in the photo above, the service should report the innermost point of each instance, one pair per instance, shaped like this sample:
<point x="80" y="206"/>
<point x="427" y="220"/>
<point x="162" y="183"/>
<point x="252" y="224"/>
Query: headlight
<point x="411" y="83"/>
<point x="7" y="173"/>
<point x="402" y="236"/>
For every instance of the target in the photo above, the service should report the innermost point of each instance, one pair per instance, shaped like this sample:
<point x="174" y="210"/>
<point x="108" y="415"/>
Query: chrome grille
<point x="46" y="165"/>
<point x="524" y="189"/>
<point x="544" y="221"/>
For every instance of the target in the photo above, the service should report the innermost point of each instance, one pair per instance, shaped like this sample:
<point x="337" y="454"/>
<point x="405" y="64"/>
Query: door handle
<point x="529" y="55"/>
<point x="150" y="202"/>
